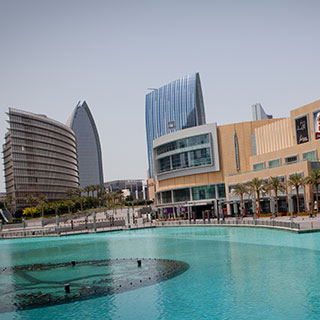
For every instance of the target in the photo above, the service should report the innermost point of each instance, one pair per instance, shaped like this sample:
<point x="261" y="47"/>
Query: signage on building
<point x="302" y="130"/>
<point x="171" y="125"/>
<point x="316" y="124"/>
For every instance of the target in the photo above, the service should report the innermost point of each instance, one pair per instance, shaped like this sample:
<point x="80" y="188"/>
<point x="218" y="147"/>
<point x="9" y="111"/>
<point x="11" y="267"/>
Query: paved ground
<point x="120" y="222"/>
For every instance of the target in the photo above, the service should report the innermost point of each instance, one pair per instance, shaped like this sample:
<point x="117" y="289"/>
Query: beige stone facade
<point x="262" y="148"/>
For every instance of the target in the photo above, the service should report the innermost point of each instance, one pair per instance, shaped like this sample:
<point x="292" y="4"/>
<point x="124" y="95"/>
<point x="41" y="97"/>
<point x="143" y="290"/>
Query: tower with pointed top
<point x="88" y="145"/>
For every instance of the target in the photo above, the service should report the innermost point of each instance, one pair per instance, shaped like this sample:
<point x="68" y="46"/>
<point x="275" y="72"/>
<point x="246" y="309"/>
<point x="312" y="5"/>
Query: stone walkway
<point x="33" y="228"/>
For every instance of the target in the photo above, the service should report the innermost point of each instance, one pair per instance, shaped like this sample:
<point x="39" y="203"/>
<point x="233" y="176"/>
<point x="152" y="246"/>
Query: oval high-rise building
<point x="88" y="146"/>
<point x="40" y="157"/>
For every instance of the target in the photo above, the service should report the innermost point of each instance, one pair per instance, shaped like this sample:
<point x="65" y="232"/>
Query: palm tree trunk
<point x="277" y="202"/>
<point x="297" y="192"/>
<point x="242" y="204"/>
<point x="317" y="196"/>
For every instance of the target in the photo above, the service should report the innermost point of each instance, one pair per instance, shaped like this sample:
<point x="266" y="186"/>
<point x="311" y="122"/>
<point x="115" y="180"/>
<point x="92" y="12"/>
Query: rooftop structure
<point x="258" y="113"/>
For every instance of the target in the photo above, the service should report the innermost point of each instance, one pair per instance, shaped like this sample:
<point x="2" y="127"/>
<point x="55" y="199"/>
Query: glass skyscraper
<point x="88" y="146"/>
<point x="175" y="106"/>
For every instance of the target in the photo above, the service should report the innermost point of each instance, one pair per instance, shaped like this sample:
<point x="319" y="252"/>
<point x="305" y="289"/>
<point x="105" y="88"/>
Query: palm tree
<point x="295" y="181"/>
<point x="276" y="185"/>
<point x="9" y="201"/>
<point x="99" y="188"/>
<point x="256" y="186"/>
<point x="70" y="193"/>
<point x="240" y="190"/>
<point x="304" y="183"/>
<point x="42" y="203"/>
<point x="87" y="189"/>
<point x="55" y="205"/>
<point x="314" y="180"/>
<point x="81" y="201"/>
<point x="110" y="196"/>
<point x="30" y="199"/>
<point x="92" y="189"/>
<point x="69" y="204"/>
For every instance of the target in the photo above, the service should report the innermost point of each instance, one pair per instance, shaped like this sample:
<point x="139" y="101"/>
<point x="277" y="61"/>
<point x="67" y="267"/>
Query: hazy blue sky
<point x="55" y="53"/>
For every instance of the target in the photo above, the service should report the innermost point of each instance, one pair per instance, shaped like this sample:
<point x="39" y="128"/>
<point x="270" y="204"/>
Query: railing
<point x="90" y="226"/>
<point x="19" y="230"/>
<point x="234" y="222"/>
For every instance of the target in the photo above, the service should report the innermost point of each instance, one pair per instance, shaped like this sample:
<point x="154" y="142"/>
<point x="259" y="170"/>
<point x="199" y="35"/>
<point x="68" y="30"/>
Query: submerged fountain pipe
<point x="67" y="288"/>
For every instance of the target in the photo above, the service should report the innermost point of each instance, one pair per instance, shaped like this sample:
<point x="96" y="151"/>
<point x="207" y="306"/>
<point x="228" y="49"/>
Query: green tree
<point x="55" y="205"/>
<point x="87" y="189"/>
<point x="30" y="199"/>
<point x="9" y="201"/>
<point x="276" y="185"/>
<point x="42" y="203"/>
<point x="69" y="204"/>
<point x="304" y="183"/>
<point x="30" y="211"/>
<point x="256" y="186"/>
<point x="240" y="190"/>
<point x="295" y="180"/>
<point x="81" y="201"/>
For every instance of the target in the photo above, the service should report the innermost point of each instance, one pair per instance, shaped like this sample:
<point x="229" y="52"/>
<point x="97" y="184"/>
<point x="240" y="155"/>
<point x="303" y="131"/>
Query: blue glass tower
<point x="175" y="106"/>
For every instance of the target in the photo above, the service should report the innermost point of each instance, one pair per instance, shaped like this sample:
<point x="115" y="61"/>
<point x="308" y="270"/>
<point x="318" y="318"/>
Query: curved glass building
<point x="175" y="106"/>
<point x="40" y="157"/>
<point x="88" y="146"/>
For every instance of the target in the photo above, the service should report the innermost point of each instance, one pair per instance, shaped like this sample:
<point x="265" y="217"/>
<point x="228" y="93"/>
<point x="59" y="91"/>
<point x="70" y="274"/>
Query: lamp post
<point x="94" y="222"/>
<point x="57" y="222"/>
<point x="128" y="216"/>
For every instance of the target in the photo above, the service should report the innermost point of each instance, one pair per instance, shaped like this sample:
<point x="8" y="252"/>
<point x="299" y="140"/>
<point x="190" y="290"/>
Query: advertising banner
<point x="302" y="130"/>
<point x="316" y="124"/>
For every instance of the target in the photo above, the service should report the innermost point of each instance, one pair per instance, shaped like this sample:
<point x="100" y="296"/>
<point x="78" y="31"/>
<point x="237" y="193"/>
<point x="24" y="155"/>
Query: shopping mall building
<point x="196" y="168"/>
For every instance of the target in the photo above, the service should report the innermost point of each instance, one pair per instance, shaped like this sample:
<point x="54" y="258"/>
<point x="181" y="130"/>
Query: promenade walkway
<point x="104" y="222"/>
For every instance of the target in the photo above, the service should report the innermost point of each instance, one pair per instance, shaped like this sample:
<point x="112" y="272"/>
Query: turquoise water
<point x="234" y="273"/>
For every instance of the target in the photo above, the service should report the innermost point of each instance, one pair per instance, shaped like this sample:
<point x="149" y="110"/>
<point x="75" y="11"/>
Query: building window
<point x="274" y="163"/>
<point x="254" y="146"/>
<point x="204" y="192"/>
<point x="310" y="156"/>
<point x="259" y="166"/>
<point x="166" y="197"/>
<point x="200" y="157"/>
<point x="181" y="195"/>
<point x="164" y="164"/>
<point x="236" y="150"/>
<point x="221" y="190"/>
<point x="291" y="159"/>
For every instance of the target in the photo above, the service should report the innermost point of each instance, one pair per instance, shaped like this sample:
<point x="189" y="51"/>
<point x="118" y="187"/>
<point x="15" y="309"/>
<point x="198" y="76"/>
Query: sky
<point x="55" y="53"/>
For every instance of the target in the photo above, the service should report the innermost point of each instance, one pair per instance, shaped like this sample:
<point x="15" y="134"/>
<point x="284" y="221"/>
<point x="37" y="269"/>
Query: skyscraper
<point x="175" y="106"/>
<point x="88" y="145"/>
<point x="40" y="157"/>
